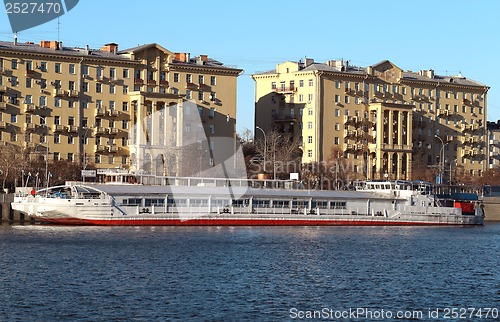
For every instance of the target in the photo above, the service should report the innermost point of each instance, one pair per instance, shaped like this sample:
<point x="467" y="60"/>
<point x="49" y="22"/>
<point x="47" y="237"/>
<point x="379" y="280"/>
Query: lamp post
<point x="265" y="146"/>
<point x="441" y="159"/>
<point x="85" y="150"/>
<point x="454" y="161"/>
<point x="44" y="119"/>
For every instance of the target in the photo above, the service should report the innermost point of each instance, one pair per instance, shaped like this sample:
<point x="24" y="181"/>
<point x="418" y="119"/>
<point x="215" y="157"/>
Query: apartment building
<point x="387" y="121"/>
<point x="493" y="144"/>
<point x="104" y="105"/>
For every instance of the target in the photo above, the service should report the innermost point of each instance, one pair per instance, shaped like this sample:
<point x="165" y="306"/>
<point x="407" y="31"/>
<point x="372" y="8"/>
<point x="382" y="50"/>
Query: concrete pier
<point x="7" y="214"/>
<point x="492" y="208"/>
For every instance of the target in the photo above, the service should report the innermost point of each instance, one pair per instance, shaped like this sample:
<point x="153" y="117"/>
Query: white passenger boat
<point x="372" y="203"/>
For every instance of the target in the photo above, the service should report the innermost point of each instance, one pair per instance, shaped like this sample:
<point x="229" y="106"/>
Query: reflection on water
<point x="241" y="273"/>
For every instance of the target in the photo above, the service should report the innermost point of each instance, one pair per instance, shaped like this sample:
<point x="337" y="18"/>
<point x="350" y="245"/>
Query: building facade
<point x="494" y="144"/>
<point x="102" y="106"/>
<point x="386" y="121"/>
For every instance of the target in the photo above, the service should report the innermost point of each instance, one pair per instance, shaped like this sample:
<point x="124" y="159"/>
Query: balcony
<point x="100" y="78"/>
<point x="30" y="73"/>
<point x="113" y="130"/>
<point x="73" y="129"/>
<point x="3" y="106"/>
<point x="29" y="108"/>
<point x="350" y="119"/>
<point x="151" y="82"/>
<point x="350" y="147"/>
<point x="4" y="71"/>
<point x="58" y="92"/>
<point x="29" y="127"/>
<point x="101" y="148"/>
<point x="58" y="128"/>
<point x="100" y="130"/>
<point x="113" y="113"/>
<point x="191" y="86"/>
<point x="138" y="81"/>
<point x="113" y="149"/>
<point x="3" y="88"/>
<point x="100" y="112"/>
<point x="284" y="118"/>
<point x="3" y="125"/>
<point x="73" y="93"/>
<point x="285" y="90"/>
<point x="350" y="133"/>
<point x="163" y="82"/>
<point x="115" y="80"/>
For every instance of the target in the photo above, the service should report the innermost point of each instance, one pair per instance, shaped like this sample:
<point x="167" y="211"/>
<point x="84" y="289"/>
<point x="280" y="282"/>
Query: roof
<point x="65" y="51"/>
<point x="356" y="70"/>
<point x="143" y="190"/>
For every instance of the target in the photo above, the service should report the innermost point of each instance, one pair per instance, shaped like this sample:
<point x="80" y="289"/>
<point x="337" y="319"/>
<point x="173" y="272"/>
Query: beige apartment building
<point x="104" y="106"/>
<point x="387" y="121"/>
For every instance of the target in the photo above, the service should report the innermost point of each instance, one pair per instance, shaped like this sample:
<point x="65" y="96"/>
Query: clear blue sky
<point x="446" y="35"/>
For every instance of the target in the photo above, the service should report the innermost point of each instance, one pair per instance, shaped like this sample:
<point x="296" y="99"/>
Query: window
<point x="201" y="79"/>
<point x="57" y="138"/>
<point x="43" y="83"/>
<point x="71" y="120"/>
<point x="346" y="99"/>
<point x="301" y="83"/>
<point x="337" y="112"/>
<point x="309" y="111"/>
<point x="213" y="81"/>
<point x="57" y="120"/>
<point x="28" y="82"/>
<point x="43" y="66"/>
<point x="188" y="78"/>
<point x="85" y="87"/>
<point x="212" y="128"/>
<point x="309" y="139"/>
<point x="97" y="158"/>
<point x="126" y="73"/>
<point x="71" y="103"/>
<point x="176" y="77"/>
<point x="311" y="83"/>
<point x="98" y="72"/>
<point x="124" y="125"/>
<point x="125" y="89"/>
<point x="71" y="139"/>
<point x="85" y="104"/>
<point x="85" y="70"/>
<point x="212" y="96"/>
<point x="71" y="85"/>
<point x="111" y="105"/>
<point x="43" y="101"/>
<point x="188" y="94"/>
<point x="112" y="73"/>
<point x="111" y="89"/>
<point x="57" y="68"/>
<point x="309" y="153"/>
<point x="200" y="95"/>
<point x="98" y="103"/>
<point x="301" y="97"/>
<point x="310" y="125"/>
<point x="98" y="88"/>
<point x="273" y="85"/>
<point x="125" y="106"/>
<point x="72" y="68"/>
<point x="14" y="63"/>
<point x="310" y="97"/>
<point x="13" y="80"/>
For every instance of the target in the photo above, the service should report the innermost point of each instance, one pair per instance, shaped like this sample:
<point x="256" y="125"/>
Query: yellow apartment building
<point x="387" y="121"/>
<point x="104" y="105"/>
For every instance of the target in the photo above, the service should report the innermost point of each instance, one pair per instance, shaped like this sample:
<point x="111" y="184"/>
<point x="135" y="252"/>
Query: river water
<point x="54" y="273"/>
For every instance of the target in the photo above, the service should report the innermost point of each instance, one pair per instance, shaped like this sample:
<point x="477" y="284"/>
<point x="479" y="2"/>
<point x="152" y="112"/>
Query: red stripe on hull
<point x="240" y="222"/>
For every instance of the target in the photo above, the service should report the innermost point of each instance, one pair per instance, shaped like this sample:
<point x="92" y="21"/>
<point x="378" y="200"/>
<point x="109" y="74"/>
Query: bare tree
<point x="12" y="161"/>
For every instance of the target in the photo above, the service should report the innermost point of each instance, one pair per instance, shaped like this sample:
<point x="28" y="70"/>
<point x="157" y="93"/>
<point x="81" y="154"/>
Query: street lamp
<point x="441" y="159"/>
<point x="265" y="146"/>
<point x="44" y="119"/>
<point x="85" y="150"/>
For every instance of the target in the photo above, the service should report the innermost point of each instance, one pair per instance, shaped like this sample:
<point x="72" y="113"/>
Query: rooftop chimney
<point x="110" y="48"/>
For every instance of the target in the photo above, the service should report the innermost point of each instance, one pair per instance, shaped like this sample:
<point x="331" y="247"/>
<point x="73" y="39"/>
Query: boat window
<point x="299" y="203"/>
<point x="387" y="186"/>
<point x="338" y="204"/>
<point x="281" y="203"/>
<point x="377" y="186"/>
<point x="155" y="202"/>
<point x="320" y="204"/>
<point x="132" y="201"/>
<point x="259" y="203"/>
<point x="239" y="202"/>
<point x="221" y="202"/>
<point x="198" y="202"/>
<point x="177" y="202"/>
